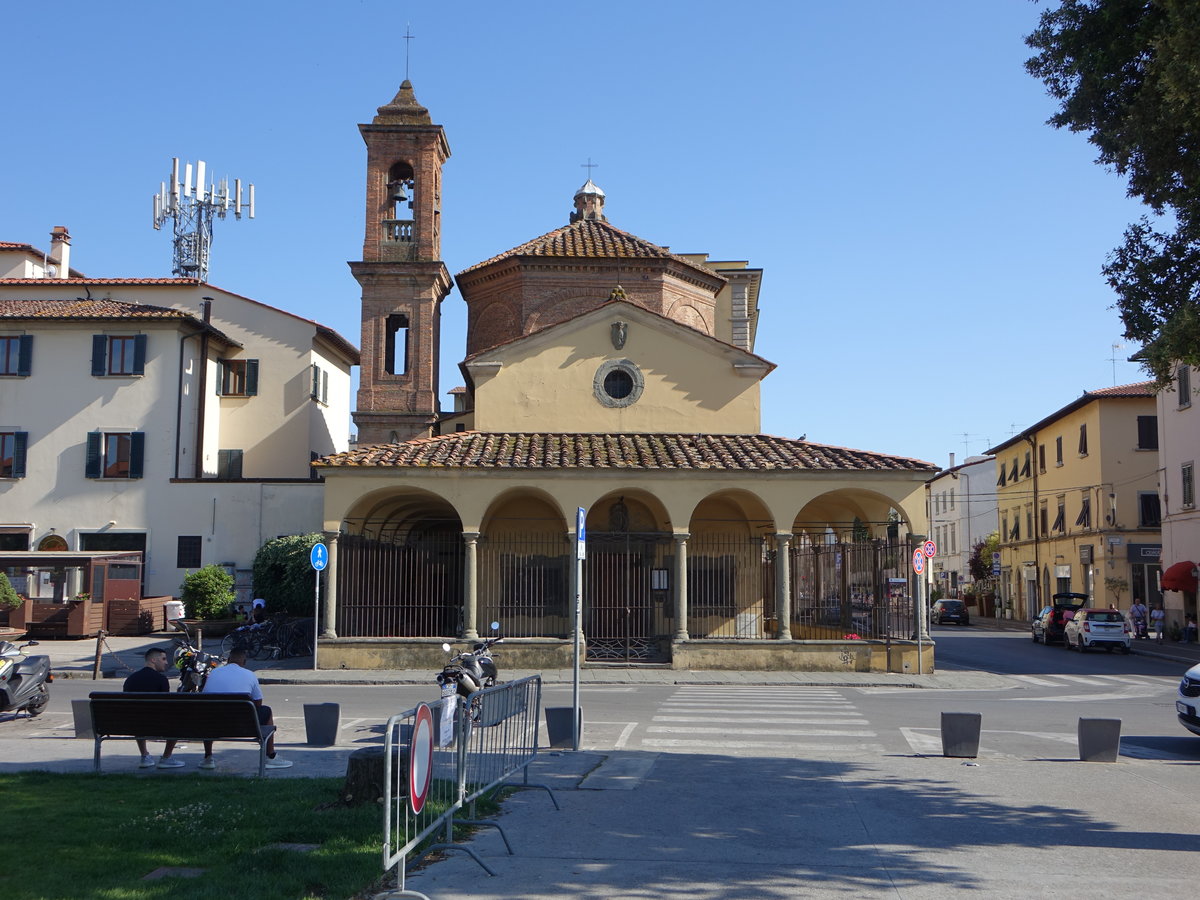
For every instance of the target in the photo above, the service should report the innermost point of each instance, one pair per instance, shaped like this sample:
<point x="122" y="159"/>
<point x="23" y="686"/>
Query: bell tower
<point x="401" y="273"/>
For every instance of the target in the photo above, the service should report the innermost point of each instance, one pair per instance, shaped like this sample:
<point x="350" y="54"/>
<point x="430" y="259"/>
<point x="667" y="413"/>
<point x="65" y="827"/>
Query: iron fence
<point x="524" y="582"/>
<point x="730" y="586"/>
<point x="408" y="589"/>
<point x="851" y="588"/>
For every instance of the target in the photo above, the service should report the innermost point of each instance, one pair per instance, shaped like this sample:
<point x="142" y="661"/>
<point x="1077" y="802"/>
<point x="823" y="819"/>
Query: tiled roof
<point x="14" y="245"/>
<point x="61" y="281"/>
<point x="548" y="450"/>
<point x="80" y="308"/>
<point x="1138" y="389"/>
<point x="591" y="239"/>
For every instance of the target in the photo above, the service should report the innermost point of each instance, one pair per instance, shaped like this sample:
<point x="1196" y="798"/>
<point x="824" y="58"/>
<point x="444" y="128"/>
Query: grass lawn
<point x="68" y="837"/>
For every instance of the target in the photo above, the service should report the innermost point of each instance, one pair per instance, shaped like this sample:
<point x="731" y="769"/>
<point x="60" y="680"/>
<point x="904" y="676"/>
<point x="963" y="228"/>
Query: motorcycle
<point x="470" y="670"/>
<point x="23" y="679"/>
<point x="193" y="664"/>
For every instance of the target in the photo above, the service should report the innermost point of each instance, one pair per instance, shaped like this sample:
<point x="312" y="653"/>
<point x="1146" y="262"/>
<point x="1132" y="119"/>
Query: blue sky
<point x="931" y="249"/>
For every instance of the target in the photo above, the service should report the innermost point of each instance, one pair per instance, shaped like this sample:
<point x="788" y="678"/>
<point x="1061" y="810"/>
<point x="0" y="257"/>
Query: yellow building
<point x="604" y="373"/>
<point x="1078" y="503"/>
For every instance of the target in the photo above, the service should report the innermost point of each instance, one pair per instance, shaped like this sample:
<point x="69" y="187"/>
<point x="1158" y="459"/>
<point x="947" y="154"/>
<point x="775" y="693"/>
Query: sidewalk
<point x="1176" y="651"/>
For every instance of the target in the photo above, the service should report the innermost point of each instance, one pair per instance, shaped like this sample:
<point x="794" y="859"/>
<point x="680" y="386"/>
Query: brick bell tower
<point x="402" y="276"/>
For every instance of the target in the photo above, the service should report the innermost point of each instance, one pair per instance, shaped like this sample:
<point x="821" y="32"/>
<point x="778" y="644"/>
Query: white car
<point x="1089" y="628"/>
<point x="1188" y="704"/>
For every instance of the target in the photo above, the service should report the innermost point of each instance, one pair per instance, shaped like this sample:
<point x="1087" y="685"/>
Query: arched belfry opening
<point x="401" y="191"/>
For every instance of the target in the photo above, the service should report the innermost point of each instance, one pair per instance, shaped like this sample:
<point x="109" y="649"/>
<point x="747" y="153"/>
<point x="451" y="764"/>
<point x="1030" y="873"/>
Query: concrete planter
<point x="960" y="734"/>
<point x="558" y="725"/>
<point x="1099" y="740"/>
<point x="321" y="723"/>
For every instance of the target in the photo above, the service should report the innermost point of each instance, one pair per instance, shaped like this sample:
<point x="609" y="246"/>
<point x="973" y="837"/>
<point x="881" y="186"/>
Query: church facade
<point x="608" y="381"/>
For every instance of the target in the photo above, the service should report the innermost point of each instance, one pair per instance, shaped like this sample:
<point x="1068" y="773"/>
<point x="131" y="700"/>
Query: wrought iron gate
<point x="625" y="612"/>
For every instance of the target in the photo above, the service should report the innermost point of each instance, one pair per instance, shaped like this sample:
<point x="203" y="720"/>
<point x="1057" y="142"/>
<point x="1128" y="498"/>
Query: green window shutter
<point x="20" y="443"/>
<point x="139" y="354"/>
<point x="99" y="356"/>
<point x="316" y="383"/>
<point x="95" y="443"/>
<point x="137" y="453"/>
<point x="222" y="376"/>
<point x="251" y="377"/>
<point x="25" y="355"/>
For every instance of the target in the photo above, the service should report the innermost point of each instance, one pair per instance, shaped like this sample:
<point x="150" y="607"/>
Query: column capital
<point x="471" y="536"/>
<point x="680" y="536"/>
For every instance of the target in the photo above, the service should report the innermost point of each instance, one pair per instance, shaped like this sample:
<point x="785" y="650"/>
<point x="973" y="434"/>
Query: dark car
<point x="949" y="611"/>
<point x="1049" y="624"/>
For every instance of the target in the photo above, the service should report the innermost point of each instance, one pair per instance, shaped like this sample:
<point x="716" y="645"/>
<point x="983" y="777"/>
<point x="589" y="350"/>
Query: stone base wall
<point x="712" y="655"/>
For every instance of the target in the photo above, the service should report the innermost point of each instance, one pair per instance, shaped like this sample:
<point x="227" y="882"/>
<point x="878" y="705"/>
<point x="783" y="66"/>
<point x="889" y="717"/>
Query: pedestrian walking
<point x="1158" y="620"/>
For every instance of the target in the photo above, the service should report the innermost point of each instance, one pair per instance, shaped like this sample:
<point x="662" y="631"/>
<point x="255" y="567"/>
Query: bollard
<point x="1099" y="740"/>
<point x="321" y="723"/>
<point x="960" y="734"/>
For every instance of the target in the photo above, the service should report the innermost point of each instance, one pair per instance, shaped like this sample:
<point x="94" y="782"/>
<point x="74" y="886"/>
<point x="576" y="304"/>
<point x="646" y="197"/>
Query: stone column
<point x="783" y="586"/>
<point x="681" y="586"/>
<point x="471" y="586"/>
<point x="328" y="623"/>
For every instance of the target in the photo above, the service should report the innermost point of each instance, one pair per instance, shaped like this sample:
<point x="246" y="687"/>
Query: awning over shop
<point x="1180" y="577"/>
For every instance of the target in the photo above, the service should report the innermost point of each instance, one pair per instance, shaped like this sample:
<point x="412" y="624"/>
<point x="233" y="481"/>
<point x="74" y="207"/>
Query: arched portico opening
<point x="525" y="554"/>
<point x="400" y="567"/>
<point x="731" y="568"/>
<point x="628" y="609"/>
<point x="850" y="564"/>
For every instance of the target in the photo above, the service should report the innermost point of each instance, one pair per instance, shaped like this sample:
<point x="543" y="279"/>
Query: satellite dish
<point x="51" y="271"/>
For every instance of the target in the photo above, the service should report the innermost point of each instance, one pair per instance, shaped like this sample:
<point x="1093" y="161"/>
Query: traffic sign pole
<point x="580" y="555"/>
<point x="318" y="558"/>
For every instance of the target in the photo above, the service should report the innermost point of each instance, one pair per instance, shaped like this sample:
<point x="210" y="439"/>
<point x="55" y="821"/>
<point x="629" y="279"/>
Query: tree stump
<point x="366" y="775"/>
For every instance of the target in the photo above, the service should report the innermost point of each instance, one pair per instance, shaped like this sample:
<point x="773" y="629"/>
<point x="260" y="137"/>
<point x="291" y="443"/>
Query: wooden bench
<point x="178" y="717"/>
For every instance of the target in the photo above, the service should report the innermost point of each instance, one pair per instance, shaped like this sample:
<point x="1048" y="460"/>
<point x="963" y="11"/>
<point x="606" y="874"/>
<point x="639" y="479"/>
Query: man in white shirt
<point x="234" y="678"/>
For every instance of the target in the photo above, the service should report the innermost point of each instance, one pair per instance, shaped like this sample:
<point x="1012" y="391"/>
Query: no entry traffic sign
<point x="420" y="758"/>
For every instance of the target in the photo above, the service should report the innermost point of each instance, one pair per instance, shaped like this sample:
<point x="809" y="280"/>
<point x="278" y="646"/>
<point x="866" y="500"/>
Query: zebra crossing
<point x="1096" y="687"/>
<point x="759" y="720"/>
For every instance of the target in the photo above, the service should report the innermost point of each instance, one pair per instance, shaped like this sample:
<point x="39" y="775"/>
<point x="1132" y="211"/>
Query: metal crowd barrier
<point x="479" y="743"/>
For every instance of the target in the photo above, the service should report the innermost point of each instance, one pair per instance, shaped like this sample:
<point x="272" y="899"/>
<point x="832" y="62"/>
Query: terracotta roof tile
<point x="1137" y="389"/>
<point x="550" y="450"/>
<point x="86" y="309"/>
<point x="591" y="239"/>
<point x="14" y="245"/>
<point x="43" y="282"/>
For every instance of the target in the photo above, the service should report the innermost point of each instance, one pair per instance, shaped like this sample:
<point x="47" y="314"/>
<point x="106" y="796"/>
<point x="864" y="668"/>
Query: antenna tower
<point x="191" y="204"/>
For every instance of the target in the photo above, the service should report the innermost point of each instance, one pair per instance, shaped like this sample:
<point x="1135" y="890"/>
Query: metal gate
<point x="625" y="611"/>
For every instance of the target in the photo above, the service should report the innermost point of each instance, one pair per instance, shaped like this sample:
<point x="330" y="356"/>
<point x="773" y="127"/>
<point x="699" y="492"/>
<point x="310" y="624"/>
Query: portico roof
<point x="651" y="452"/>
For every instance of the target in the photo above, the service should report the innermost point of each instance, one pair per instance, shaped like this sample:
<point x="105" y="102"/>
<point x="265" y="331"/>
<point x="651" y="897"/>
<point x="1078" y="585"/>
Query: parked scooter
<point x="193" y="664"/>
<point x="472" y="670"/>
<point x="23" y="679"/>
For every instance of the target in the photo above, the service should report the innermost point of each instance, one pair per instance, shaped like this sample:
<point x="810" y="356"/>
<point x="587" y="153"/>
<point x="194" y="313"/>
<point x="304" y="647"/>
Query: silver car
<point x="1187" y="705"/>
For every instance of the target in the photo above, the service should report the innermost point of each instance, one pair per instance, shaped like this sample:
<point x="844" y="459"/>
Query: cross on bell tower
<point x="401" y="273"/>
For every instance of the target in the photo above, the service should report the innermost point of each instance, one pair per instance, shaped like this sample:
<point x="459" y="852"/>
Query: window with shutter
<point x="16" y="354"/>
<point x="118" y="454"/>
<point x="118" y="354"/>
<point x="1083" y="440"/>
<point x="1188" y="473"/>
<point x="1149" y="515"/>
<point x="12" y="453"/>
<point x="1184" y="386"/>
<point x="1147" y="427"/>
<point x="239" y="377"/>
<point x="229" y="464"/>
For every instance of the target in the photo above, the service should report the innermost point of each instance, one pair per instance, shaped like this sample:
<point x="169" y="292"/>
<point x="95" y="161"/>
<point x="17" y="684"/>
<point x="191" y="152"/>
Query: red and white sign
<point x="420" y="758"/>
<point x="918" y="561"/>
<point x="929" y="548"/>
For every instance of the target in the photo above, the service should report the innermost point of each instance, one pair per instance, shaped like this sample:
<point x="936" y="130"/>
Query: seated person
<point x="151" y="680"/>
<point x="235" y="678"/>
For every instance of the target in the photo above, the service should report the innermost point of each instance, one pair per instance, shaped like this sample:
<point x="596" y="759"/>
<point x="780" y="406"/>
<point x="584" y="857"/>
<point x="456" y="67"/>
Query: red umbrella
<point x="1180" y="577"/>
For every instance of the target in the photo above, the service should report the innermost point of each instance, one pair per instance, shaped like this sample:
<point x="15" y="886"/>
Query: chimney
<point x="60" y="250"/>
<point x="951" y="466"/>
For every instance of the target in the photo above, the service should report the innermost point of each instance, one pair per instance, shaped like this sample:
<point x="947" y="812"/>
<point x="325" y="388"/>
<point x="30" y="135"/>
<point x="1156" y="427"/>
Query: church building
<point x="605" y="377"/>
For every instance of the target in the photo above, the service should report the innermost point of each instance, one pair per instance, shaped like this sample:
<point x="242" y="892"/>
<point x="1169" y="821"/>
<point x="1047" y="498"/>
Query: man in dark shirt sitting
<point x="148" y="681"/>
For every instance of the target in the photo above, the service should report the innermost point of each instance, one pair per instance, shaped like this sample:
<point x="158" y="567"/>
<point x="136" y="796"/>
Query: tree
<point x="1126" y="73"/>
<point x="980" y="562"/>
<point x="284" y="576"/>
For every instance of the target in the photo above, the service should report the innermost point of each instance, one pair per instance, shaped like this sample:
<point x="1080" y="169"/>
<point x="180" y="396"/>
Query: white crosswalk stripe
<point x="1098" y="681"/>
<point x="787" y="721"/>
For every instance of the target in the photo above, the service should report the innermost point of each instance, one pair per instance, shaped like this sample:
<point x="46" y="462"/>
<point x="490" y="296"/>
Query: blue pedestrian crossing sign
<point x="319" y="556"/>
